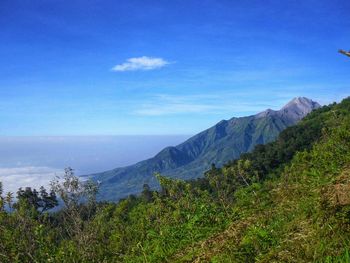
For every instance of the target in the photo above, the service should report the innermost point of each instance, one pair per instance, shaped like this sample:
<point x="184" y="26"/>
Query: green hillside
<point x="287" y="201"/>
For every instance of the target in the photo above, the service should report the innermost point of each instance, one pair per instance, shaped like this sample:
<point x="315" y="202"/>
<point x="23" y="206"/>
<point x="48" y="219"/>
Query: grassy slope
<point x="302" y="216"/>
<point x="286" y="216"/>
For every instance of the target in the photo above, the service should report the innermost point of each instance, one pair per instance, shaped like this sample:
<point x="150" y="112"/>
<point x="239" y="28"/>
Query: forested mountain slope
<point x="223" y="142"/>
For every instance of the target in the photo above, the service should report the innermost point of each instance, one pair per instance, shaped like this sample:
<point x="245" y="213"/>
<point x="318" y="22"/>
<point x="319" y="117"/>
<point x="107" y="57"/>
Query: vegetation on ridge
<point x="287" y="201"/>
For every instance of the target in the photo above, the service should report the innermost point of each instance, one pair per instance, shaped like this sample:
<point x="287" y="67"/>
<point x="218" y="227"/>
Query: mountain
<point x="225" y="141"/>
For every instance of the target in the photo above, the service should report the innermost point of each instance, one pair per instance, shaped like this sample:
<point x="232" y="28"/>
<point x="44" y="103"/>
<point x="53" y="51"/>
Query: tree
<point x="41" y="201"/>
<point x="79" y="206"/>
<point x="75" y="193"/>
<point x="147" y="194"/>
<point x="47" y="201"/>
<point x="1" y="198"/>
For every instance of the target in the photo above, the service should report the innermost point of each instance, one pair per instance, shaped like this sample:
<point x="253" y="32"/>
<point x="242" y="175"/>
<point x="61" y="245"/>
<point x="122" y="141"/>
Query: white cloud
<point x="31" y="176"/>
<point x="141" y="63"/>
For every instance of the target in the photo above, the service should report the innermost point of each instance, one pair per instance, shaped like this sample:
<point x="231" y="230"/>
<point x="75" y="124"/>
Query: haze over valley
<point x="34" y="161"/>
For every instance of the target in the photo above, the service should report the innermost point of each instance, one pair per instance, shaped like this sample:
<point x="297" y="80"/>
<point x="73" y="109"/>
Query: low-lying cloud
<point x="141" y="63"/>
<point x="14" y="178"/>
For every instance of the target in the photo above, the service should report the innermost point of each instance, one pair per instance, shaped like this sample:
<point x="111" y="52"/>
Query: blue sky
<point x="89" y="67"/>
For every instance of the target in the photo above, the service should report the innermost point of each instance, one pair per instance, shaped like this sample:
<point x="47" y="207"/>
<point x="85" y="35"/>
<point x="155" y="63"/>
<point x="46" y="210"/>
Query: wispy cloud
<point x="163" y="104"/>
<point x="141" y="63"/>
<point x="177" y="108"/>
<point x="35" y="177"/>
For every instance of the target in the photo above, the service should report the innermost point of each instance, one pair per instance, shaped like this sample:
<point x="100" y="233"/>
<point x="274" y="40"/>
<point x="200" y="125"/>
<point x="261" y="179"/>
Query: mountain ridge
<point x="218" y="144"/>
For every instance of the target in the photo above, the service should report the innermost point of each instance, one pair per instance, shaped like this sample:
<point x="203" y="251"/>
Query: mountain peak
<point x="298" y="108"/>
<point x="293" y="111"/>
<point x="302" y="102"/>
